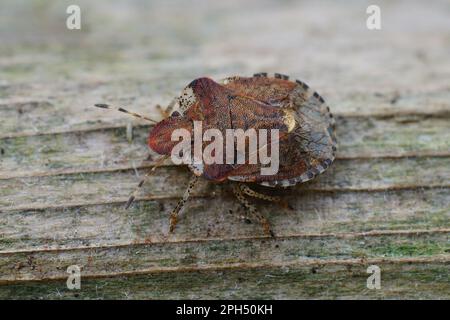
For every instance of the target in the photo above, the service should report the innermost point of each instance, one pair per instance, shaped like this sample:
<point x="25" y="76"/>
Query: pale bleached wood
<point x="222" y="254"/>
<point x="66" y="168"/>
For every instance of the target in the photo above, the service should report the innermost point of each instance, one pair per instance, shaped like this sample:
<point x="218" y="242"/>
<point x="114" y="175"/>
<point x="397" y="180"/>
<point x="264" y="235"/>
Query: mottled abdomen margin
<point x="311" y="146"/>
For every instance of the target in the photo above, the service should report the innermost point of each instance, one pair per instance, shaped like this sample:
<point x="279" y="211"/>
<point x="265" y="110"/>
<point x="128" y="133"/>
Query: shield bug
<point x="306" y="143"/>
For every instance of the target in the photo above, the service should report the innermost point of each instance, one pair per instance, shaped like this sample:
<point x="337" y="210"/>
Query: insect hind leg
<point x="174" y="214"/>
<point x="144" y="180"/>
<point x="251" y="210"/>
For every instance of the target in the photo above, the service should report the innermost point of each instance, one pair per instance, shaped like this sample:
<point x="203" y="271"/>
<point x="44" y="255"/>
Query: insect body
<point x="306" y="143"/>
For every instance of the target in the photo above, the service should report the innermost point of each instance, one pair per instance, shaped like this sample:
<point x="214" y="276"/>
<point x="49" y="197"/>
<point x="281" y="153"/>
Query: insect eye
<point x="175" y="114"/>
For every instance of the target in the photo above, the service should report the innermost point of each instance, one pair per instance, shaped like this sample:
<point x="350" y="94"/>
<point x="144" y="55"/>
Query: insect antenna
<point x="144" y="180"/>
<point x="136" y="115"/>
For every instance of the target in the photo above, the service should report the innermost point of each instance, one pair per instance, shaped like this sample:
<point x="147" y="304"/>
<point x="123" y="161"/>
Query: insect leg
<point x="252" y="210"/>
<point x="174" y="215"/>
<point x="252" y="193"/>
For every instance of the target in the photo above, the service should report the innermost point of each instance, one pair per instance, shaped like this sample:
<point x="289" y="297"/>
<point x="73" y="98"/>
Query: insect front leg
<point x="174" y="215"/>
<point x="252" y="193"/>
<point x="251" y="209"/>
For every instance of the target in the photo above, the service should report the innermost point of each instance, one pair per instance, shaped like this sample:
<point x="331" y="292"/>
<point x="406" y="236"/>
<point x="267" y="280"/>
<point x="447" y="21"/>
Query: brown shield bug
<point x="305" y="142"/>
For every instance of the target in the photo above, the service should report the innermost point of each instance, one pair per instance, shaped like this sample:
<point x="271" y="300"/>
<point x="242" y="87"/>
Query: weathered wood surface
<point x="66" y="169"/>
